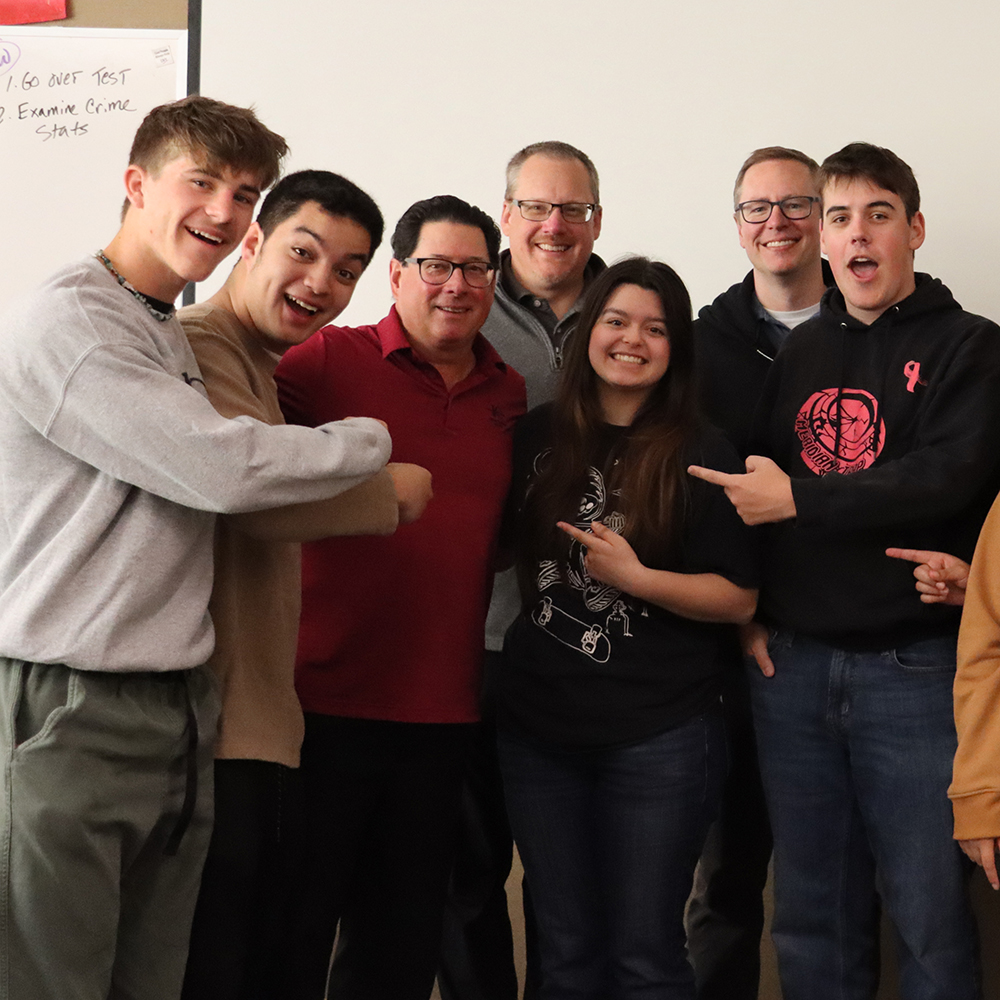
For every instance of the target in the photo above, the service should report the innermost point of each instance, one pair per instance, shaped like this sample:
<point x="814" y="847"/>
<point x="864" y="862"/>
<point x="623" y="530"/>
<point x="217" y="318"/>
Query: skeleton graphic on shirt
<point x="590" y="638"/>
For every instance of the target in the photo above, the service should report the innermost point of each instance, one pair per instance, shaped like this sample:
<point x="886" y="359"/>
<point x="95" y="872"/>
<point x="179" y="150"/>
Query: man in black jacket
<point x="736" y="337"/>
<point x="776" y="210"/>
<point x="878" y="425"/>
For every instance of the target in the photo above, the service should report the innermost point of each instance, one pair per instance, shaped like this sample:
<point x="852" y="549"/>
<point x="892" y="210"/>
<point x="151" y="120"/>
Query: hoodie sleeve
<point x="975" y="787"/>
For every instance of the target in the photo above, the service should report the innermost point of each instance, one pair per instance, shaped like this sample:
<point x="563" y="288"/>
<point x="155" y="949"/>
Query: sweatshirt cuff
<point x="809" y="501"/>
<point x="977" y="815"/>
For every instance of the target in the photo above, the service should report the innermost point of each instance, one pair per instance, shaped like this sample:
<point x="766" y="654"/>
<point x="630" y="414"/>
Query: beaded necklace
<point x="162" y="315"/>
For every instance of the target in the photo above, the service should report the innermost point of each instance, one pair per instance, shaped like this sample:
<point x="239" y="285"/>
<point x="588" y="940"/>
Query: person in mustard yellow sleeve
<point x="975" y="785"/>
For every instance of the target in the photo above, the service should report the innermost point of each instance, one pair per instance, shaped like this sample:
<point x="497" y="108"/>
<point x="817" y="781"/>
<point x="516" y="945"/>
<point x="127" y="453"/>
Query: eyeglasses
<point x="799" y="207"/>
<point x="437" y="271"/>
<point x="539" y="211"/>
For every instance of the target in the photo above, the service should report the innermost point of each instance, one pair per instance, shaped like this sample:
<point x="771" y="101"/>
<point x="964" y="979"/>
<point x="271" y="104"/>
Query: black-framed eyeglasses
<point x="798" y="207"/>
<point x="539" y="211"/>
<point x="437" y="270"/>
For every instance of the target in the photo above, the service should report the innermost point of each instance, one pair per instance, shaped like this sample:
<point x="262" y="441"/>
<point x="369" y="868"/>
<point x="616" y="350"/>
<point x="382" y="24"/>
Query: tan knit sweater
<point x="256" y="594"/>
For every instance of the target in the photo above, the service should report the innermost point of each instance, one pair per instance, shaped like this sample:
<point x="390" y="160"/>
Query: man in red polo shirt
<point x="391" y="640"/>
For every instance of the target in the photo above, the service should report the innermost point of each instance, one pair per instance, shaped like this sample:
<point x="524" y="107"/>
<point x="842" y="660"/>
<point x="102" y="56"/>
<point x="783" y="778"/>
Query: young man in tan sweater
<point x="299" y="265"/>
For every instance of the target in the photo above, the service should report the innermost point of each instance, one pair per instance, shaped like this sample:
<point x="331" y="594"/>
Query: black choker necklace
<point x="153" y="305"/>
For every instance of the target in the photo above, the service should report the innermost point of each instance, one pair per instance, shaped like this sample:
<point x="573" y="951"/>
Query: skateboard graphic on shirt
<point x="588" y="639"/>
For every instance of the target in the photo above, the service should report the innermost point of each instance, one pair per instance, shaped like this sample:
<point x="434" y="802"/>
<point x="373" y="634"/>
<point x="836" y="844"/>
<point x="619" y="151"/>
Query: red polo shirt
<point x="392" y="628"/>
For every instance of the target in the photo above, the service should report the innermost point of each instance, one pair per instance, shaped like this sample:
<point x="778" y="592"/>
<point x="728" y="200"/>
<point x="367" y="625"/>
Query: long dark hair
<point x="651" y="472"/>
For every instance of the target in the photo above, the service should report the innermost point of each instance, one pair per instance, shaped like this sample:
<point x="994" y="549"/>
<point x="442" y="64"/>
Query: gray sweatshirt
<point x="112" y="464"/>
<point x="523" y="342"/>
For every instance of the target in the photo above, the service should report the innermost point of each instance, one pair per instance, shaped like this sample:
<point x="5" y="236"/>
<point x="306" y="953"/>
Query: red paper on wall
<point x="31" y="11"/>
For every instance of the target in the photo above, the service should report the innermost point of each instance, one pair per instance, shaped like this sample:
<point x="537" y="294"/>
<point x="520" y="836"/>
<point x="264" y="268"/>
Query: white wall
<point x="667" y="99"/>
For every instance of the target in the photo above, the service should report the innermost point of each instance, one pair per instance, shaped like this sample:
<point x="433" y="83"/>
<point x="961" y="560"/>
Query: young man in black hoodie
<point x="776" y="209"/>
<point x="881" y="428"/>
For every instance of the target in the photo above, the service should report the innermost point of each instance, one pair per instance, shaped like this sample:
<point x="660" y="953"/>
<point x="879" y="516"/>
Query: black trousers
<point x="477" y="948"/>
<point x="381" y="807"/>
<point x="244" y="886"/>
<point x="726" y="914"/>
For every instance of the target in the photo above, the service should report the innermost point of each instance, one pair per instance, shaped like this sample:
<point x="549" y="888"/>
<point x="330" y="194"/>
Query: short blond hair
<point x="555" y="150"/>
<point x="766" y="153"/>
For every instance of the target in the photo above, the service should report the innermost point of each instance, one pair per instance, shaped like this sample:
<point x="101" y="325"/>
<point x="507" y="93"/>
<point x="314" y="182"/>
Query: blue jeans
<point x="609" y="840"/>
<point x="856" y="751"/>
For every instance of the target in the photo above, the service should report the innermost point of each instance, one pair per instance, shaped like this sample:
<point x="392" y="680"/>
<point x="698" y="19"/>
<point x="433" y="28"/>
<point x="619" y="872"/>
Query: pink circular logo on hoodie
<point x="841" y="430"/>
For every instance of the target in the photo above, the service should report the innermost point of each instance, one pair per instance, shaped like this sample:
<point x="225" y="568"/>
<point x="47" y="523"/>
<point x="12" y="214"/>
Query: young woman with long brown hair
<point x="611" y="737"/>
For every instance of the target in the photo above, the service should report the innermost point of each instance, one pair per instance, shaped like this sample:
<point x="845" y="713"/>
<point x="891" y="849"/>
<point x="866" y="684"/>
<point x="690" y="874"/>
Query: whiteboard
<point x="668" y="98"/>
<point x="70" y="102"/>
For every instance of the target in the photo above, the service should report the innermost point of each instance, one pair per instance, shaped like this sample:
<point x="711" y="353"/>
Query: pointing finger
<point x="581" y="536"/>
<point x="711" y="476"/>
<point x="910" y="555"/>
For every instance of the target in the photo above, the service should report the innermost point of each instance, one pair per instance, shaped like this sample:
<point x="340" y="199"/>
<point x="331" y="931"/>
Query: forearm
<point x="164" y="437"/>
<point x="704" y="597"/>
<point x="238" y="465"/>
<point x="925" y="487"/>
<point x="239" y="386"/>
<point x="369" y="508"/>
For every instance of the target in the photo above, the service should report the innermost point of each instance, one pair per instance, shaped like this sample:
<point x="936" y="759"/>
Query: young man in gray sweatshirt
<point x="113" y="464"/>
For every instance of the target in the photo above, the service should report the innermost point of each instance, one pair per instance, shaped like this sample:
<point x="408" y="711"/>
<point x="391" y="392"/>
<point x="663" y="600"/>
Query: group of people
<point x="253" y="744"/>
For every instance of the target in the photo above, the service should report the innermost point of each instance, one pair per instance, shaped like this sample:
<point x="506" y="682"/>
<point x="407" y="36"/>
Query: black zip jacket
<point x="733" y="352"/>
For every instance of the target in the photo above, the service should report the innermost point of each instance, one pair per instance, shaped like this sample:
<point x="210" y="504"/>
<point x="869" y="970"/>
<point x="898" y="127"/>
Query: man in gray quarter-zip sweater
<point x="551" y="216"/>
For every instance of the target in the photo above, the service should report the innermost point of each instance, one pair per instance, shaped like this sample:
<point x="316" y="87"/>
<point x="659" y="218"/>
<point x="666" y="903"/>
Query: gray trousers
<point x="98" y="771"/>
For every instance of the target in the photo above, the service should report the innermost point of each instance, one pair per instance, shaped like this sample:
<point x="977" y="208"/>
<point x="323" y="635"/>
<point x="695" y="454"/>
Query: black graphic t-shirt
<point x="587" y="665"/>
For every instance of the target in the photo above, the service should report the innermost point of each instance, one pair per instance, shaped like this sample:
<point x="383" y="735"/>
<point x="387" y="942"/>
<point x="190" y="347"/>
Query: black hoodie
<point x="917" y="448"/>
<point x="734" y="347"/>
